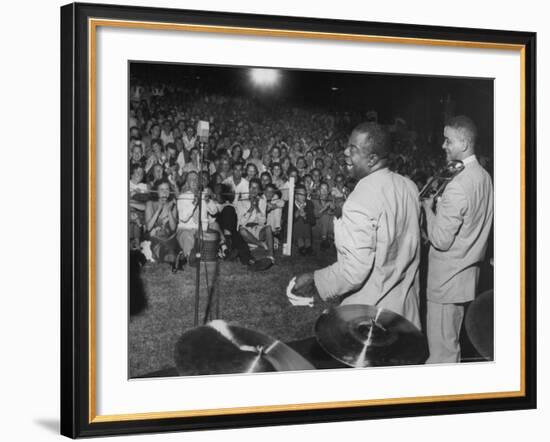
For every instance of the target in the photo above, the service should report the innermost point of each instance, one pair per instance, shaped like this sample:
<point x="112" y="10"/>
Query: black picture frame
<point x="76" y="249"/>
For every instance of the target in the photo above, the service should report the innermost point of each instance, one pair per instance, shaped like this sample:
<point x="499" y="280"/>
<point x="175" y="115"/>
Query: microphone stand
<point x="199" y="239"/>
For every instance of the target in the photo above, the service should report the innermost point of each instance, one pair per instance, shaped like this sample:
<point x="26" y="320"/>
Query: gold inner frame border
<point x="93" y="24"/>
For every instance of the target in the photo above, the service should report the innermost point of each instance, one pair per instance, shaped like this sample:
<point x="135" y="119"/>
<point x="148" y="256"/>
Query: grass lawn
<point x="254" y="300"/>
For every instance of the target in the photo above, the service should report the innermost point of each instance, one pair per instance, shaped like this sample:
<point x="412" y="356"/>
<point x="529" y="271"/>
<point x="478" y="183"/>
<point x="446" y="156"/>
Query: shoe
<point x="223" y="250"/>
<point x="232" y="255"/>
<point x="309" y="251"/>
<point x="193" y="260"/>
<point x="325" y="245"/>
<point x="302" y="251"/>
<point x="260" y="264"/>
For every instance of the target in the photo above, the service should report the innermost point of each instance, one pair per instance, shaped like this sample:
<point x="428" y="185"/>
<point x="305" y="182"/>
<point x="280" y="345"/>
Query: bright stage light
<point x="264" y="77"/>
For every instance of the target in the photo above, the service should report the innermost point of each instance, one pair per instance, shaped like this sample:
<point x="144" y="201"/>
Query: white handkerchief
<point x="297" y="300"/>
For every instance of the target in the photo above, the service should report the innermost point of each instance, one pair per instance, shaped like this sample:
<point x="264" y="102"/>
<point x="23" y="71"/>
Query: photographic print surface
<point x="284" y="220"/>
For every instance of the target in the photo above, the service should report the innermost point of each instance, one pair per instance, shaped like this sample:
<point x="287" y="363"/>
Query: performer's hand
<point x="296" y="297"/>
<point x="305" y="285"/>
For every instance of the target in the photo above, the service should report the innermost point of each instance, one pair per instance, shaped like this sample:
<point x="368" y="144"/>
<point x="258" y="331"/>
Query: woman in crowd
<point x="301" y="166"/>
<point x="225" y="167"/>
<point x="251" y="171"/>
<point x="256" y="159"/>
<point x="279" y="180"/>
<point x="285" y="164"/>
<point x="293" y="173"/>
<point x="155" y="157"/>
<point x="236" y="153"/>
<point x="275" y="155"/>
<point x="161" y="222"/>
<point x="137" y="157"/>
<point x="156" y="173"/>
<point x="265" y="179"/>
<point x="215" y="178"/>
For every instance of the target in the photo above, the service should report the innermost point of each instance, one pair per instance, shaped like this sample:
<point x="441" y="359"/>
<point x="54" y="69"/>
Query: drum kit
<point x="356" y="336"/>
<point x="347" y="336"/>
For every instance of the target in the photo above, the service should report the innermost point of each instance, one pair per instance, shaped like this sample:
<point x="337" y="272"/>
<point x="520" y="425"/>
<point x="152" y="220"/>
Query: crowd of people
<point x="250" y="157"/>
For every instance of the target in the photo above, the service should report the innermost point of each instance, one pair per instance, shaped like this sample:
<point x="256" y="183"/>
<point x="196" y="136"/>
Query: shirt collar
<point x="376" y="173"/>
<point x="470" y="159"/>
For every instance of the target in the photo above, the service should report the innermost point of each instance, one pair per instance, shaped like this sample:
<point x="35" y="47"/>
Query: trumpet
<point x="436" y="185"/>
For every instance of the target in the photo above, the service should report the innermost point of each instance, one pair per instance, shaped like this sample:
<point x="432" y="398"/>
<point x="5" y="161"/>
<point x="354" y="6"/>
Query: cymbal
<point x="367" y="336"/>
<point x="221" y="348"/>
<point x="479" y="324"/>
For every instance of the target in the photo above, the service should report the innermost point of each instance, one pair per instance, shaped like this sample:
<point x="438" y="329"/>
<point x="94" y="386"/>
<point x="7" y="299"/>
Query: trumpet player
<point x="458" y="229"/>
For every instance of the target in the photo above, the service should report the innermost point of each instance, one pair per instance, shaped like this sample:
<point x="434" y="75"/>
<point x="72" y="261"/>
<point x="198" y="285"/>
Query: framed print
<point x="279" y="220"/>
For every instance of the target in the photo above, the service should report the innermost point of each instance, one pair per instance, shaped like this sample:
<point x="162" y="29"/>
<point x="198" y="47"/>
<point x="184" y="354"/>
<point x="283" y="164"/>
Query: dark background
<point x="422" y="101"/>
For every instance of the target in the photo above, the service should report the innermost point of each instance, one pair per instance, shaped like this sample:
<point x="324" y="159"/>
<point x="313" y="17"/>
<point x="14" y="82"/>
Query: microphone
<point x="203" y="129"/>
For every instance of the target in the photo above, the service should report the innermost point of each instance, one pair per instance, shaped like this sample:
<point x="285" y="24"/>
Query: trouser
<point x="164" y="250"/>
<point x="186" y="240"/>
<point x="443" y="325"/>
<point x="302" y="233"/>
<point x="274" y="219"/>
<point x="326" y="225"/>
<point x="228" y="223"/>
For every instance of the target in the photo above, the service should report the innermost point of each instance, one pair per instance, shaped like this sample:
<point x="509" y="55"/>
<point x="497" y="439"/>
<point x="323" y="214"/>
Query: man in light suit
<point x="377" y="238"/>
<point x="458" y="231"/>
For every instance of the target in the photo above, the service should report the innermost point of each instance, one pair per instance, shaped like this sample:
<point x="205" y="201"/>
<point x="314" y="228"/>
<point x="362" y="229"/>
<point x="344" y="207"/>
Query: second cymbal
<point x="366" y="336"/>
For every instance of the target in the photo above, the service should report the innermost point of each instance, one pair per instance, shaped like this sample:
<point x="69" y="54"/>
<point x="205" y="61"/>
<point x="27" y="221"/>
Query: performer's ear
<point x="372" y="159"/>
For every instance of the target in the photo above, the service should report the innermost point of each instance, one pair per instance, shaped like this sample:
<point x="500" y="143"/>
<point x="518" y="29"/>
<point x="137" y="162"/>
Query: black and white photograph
<point x="284" y="220"/>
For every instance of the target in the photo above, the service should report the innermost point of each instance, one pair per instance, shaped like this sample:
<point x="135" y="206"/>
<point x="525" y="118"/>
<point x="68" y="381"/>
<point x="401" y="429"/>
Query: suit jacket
<point x="458" y="234"/>
<point x="378" y="246"/>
